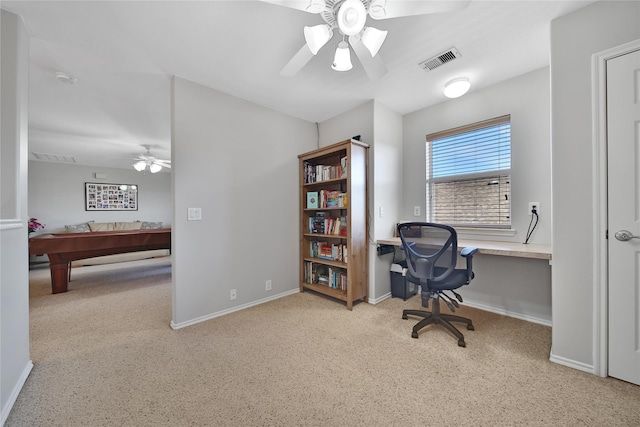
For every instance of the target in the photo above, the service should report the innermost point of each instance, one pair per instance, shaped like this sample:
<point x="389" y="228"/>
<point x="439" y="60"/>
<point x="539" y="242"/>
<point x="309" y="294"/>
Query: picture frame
<point x="101" y="196"/>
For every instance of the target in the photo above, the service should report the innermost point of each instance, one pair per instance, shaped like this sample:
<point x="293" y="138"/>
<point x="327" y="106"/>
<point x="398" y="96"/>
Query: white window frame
<point x="472" y="228"/>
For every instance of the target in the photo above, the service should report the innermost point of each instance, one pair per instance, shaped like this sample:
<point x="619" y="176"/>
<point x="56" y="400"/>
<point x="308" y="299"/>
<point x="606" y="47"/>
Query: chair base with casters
<point x="436" y="317"/>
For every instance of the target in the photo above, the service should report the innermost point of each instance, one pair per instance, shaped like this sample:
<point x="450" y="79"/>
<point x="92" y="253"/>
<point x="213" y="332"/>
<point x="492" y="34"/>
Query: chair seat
<point x="456" y="279"/>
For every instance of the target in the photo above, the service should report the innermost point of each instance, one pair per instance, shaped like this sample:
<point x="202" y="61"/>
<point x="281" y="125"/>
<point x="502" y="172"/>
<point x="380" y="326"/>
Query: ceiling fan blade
<point x="304" y="5"/>
<point x="298" y="61"/>
<point x="399" y="8"/>
<point x="374" y="66"/>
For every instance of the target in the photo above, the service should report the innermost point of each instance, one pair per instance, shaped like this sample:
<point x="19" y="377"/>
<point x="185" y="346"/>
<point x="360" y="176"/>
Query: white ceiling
<point x="124" y="52"/>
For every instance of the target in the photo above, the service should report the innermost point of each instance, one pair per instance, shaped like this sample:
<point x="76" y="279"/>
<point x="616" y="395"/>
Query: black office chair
<point x="431" y="251"/>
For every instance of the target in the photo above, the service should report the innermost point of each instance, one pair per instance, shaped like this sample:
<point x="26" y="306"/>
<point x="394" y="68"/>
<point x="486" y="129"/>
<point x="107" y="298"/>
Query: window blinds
<point x="471" y="152"/>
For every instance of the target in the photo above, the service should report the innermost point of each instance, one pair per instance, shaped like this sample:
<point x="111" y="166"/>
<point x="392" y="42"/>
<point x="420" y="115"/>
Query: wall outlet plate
<point x="532" y="205"/>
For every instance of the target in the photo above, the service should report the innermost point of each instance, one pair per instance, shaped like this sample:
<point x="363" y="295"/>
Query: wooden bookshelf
<point x="333" y="221"/>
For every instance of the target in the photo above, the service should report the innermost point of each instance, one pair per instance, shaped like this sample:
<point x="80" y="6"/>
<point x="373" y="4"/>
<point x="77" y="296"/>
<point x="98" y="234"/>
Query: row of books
<point x="326" y="199"/>
<point x="322" y="224"/>
<point x="317" y="173"/>
<point x="321" y="274"/>
<point x="329" y="251"/>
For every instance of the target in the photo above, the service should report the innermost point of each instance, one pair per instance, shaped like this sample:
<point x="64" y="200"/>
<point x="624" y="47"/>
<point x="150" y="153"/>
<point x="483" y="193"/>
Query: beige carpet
<point x="105" y="355"/>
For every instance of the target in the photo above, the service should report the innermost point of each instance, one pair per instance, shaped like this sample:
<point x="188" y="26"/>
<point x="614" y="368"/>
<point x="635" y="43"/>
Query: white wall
<point x="527" y="99"/>
<point x="56" y="195"/>
<point x="15" y="364"/>
<point x="574" y="39"/>
<point x="520" y="288"/>
<point x="237" y="161"/>
<point x="386" y="195"/>
<point x="358" y="121"/>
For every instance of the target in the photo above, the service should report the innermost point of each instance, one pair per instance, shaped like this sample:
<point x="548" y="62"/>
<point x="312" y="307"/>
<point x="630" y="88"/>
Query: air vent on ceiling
<point x="60" y="158"/>
<point x="438" y="60"/>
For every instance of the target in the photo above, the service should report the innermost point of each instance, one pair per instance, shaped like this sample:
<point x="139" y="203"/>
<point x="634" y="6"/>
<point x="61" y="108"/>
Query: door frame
<point x="600" y="204"/>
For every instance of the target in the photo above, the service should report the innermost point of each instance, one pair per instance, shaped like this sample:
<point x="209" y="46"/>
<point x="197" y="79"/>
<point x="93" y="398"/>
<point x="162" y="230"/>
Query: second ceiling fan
<point x="349" y="18"/>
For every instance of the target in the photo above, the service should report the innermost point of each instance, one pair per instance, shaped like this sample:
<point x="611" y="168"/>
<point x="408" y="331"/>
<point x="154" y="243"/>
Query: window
<point x="469" y="175"/>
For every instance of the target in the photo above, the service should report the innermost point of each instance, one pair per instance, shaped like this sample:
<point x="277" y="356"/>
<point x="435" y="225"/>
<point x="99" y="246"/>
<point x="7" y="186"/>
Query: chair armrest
<point x="468" y="253"/>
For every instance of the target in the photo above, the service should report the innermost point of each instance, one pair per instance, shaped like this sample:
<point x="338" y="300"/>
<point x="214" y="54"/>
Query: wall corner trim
<point x="15" y="392"/>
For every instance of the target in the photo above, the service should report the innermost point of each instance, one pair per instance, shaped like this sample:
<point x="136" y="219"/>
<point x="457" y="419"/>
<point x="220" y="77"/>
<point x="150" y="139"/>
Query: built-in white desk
<point x="519" y="287"/>
<point x="490" y="247"/>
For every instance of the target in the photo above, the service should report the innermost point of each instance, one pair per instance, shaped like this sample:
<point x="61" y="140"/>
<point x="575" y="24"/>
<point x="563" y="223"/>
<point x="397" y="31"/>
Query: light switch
<point x="194" y="214"/>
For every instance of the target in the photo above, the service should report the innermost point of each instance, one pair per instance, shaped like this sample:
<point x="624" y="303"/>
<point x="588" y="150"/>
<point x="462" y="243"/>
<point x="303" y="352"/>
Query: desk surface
<point x="490" y="247"/>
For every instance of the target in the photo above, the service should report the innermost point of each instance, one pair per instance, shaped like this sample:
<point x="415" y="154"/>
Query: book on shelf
<point x="312" y="200"/>
<point x="320" y="274"/>
<point x="309" y="173"/>
<point x="318" y="173"/>
<point x="328" y="251"/>
<point x="342" y="227"/>
<point x="316" y="223"/>
<point x="332" y="199"/>
<point x="322" y="224"/>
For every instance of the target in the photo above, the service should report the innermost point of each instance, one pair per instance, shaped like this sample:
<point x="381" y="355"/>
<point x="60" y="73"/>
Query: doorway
<point x="617" y="302"/>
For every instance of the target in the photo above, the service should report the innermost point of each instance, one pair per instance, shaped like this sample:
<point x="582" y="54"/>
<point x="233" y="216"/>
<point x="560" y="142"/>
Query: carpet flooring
<point x="105" y="355"/>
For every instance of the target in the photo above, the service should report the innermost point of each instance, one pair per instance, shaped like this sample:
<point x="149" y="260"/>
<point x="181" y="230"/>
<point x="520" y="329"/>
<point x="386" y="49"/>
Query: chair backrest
<point x="431" y="250"/>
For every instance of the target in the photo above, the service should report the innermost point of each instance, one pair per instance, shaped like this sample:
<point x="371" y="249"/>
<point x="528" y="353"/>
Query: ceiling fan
<point x="154" y="164"/>
<point x="349" y="18"/>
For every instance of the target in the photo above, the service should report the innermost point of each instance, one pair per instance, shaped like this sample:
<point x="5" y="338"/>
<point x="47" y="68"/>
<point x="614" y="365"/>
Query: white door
<point x="623" y="145"/>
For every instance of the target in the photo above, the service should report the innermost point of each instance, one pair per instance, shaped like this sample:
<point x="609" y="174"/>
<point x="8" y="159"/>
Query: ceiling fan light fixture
<point x="373" y="38"/>
<point x="140" y="166"/>
<point x="376" y="9"/>
<point x="457" y="87"/>
<point x="154" y="167"/>
<point x="351" y="17"/>
<point x="316" y="6"/>
<point x="342" y="58"/>
<point x="317" y="36"/>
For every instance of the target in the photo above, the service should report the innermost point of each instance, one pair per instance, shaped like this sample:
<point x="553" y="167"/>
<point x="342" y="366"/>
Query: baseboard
<point x="484" y="307"/>
<point x="375" y="301"/>
<point x="528" y="318"/>
<point x="590" y="369"/>
<point x="16" y="391"/>
<point x="232" y="310"/>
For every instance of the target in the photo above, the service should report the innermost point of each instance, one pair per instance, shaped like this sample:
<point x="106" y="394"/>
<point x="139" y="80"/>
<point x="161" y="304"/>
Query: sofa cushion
<point x="102" y="226"/>
<point x="128" y="225"/>
<point x="78" y="228"/>
<point x="150" y="225"/>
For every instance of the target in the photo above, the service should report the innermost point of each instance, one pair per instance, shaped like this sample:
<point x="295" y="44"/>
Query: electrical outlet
<point x="232" y="294"/>
<point x="416" y="211"/>
<point x="267" y="285"/>
<point x="532" y="206"/>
